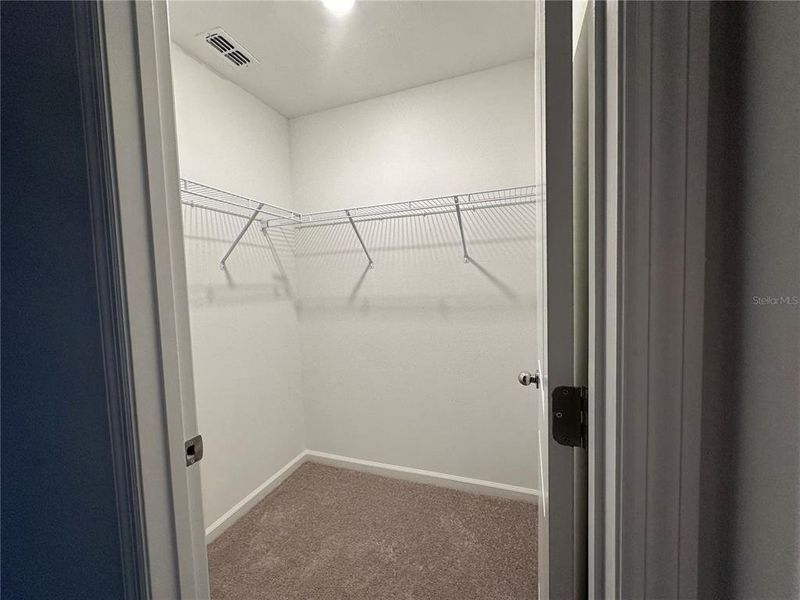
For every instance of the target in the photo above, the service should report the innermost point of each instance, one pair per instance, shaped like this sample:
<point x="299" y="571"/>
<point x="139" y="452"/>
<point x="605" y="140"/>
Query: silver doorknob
<point x="526" y="378"/>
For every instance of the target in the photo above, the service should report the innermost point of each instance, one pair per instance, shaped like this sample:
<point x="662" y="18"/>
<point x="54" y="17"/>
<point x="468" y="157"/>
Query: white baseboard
<point x="465" y="484"/>
<point x="241" y="508"/>
<point x="456" y="482"/>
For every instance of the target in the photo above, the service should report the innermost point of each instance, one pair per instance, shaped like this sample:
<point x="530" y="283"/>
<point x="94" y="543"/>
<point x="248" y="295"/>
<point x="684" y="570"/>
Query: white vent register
<point x="227" y="47"/>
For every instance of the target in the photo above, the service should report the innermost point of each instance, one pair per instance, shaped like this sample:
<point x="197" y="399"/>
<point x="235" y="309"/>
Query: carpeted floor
<point x="335" y="534"/>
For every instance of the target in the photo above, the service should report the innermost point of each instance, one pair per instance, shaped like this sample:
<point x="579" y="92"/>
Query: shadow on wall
<point x="419" y="263"/>
<point x="255" y="270"/>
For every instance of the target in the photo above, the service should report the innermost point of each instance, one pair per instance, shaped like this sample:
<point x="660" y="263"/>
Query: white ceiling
<point x="311" y="59"/>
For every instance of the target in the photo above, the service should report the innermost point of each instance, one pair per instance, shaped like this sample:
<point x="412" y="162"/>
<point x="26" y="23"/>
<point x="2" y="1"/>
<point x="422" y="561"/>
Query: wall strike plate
<point x="194" y="450"/>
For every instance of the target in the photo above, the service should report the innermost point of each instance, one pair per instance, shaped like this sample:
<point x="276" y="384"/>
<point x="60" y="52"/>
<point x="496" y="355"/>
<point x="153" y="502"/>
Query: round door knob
<point x="525" y="378"/>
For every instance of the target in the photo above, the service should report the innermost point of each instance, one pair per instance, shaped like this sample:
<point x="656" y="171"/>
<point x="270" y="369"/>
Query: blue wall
<point x="59" y="527"/>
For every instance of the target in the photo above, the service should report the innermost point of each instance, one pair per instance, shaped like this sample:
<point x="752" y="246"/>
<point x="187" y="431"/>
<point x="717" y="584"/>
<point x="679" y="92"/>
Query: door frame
<point x="127" y="93"/>
<point x="648" y="115"/>
<point x="603" y="145"/>
<point x="112" y="298"/>
<point x="661" y="203"/>
<point x="648" y="121"/>
<point x="141" y="150"/>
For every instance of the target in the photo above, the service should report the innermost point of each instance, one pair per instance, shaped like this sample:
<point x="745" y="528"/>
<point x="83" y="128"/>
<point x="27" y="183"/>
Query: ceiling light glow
<point x="339" y="6"/>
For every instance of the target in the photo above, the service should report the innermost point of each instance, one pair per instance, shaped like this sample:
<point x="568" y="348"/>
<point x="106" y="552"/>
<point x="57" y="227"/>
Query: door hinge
<point x="570" y="415"/>
<point x="194" y="450"/>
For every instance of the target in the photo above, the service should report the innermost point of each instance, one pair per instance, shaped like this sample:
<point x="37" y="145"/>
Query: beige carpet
<point x="329" y="533"/>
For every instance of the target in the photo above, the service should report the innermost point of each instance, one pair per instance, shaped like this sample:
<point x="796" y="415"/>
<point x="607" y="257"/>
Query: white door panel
<point x="560" y="558"/>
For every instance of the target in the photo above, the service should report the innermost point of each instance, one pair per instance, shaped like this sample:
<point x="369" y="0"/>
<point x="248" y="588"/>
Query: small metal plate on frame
<point x="194" y="450"/>
<point x="569" y="405"/>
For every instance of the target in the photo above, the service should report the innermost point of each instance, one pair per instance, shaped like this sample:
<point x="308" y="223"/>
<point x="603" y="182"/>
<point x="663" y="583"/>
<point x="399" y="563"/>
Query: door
<point x="561" y="320"/>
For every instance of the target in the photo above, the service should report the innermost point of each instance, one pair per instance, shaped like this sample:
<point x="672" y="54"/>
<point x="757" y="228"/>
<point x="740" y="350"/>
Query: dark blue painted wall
<point x="59" y="528"/>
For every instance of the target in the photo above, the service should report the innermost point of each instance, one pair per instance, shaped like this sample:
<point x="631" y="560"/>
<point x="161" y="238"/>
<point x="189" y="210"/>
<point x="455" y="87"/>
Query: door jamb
<point x="155" y="71"/>
<point x="660" y="250"/>
<point x="141" y="147"/>
<point x="648" y="198"/>
<point x="601" y="476"/>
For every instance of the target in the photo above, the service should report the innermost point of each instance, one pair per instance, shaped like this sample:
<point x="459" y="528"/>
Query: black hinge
<point x="570" y="417"/>
<point x="194" y="450"/>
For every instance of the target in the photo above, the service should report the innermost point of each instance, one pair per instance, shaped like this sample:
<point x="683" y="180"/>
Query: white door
<point x="561" y="549"/>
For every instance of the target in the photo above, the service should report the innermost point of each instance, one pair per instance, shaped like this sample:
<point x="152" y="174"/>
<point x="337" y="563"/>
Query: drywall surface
<point x="243" y="325"/>
<point x="465" y="134"/>
<point x="415" y="361"/>
<point x="750" y="503"/>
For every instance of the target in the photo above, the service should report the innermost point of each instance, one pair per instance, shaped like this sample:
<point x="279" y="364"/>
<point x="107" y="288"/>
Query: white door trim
<point x="600" y="456"/>
<point x="112" y="297"/>
<point x="155" y="70"/>
<point x="647" y="178"/>
<point x="661" y="258"/>
<point x="139" y="89"/>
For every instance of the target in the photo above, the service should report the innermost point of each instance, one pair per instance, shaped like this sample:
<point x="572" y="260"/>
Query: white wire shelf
<point x="211" y="198"/>
<point x="272" y="217"/>
<point x="429" y="206"/>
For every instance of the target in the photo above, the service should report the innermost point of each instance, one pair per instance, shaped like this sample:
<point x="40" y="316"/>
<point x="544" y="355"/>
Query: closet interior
<point x="359" y="190"/>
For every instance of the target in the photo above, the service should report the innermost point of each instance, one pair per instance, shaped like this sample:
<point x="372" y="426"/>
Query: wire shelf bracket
<point x="239" y="237"/>
<point x="461" y="229"/>
<point x="198" y="195"/>
<point x="360" y="239"/>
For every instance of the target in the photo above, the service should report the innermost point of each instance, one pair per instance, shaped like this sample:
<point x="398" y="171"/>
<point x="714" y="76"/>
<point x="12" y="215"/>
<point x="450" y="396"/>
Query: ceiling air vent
<point x="228" y="47"/>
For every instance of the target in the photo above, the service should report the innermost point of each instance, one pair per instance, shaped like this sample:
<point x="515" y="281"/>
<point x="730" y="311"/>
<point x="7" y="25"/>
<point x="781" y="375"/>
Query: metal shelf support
<point x="461" y="229"/>
<point x="240" y="236"/>
<point x="361" y="241"/>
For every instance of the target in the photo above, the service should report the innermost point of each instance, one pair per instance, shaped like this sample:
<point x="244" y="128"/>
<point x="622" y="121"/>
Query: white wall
<point x="244" y="331"/>
<point x="420" y="369"/>
<point x="464" y="134"/>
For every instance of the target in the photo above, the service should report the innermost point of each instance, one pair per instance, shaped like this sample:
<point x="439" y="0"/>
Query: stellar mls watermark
<point x="776" y="300"/>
